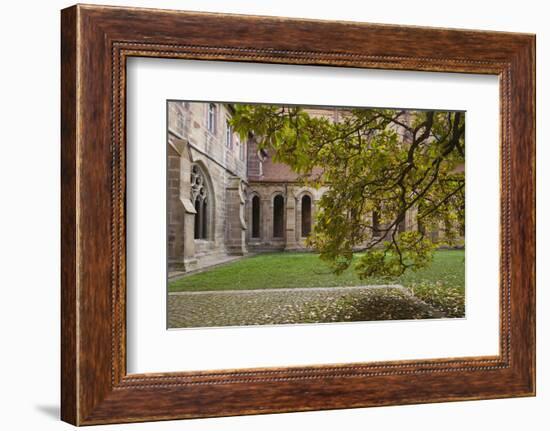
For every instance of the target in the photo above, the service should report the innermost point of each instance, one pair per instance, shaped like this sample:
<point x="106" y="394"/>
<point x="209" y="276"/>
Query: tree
<point x="379" y="162"/>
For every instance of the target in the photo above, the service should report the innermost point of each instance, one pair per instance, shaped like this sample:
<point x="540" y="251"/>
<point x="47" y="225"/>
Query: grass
<point x="441" y="284"/>
<point x="290" y="270"/>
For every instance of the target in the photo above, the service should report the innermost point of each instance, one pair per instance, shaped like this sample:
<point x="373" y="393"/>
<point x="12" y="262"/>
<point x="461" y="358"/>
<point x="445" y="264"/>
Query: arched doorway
<point x="306" y="215"/>
<point x="278" y="216"/>
<point x="255" y="217"/>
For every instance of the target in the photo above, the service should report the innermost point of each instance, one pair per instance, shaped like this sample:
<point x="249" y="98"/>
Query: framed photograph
<point x="264" y="215"/>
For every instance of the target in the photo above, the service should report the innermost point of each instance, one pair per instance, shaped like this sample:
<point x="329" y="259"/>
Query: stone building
<point x="225" y="197"/>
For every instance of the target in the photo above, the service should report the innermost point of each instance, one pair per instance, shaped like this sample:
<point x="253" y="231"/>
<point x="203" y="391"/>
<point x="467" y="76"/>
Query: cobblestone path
<point x="284" y="306"/>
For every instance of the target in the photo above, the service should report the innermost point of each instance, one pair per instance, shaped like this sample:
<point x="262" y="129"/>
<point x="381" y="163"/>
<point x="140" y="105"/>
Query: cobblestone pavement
<point x="285" y="306"/>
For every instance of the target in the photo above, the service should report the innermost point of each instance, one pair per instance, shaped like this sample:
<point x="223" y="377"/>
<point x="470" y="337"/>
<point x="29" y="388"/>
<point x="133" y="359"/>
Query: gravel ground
<point x="287" y="306"/>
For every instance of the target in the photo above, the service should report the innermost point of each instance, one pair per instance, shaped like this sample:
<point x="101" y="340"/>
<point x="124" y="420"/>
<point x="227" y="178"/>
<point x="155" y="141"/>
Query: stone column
<point x="411" y="223"/>
<point x="235" y="234"/>
<point x="176" y="213"/>
<point x="290" y="237"/>
<point x="189" y="215"/>
<point x="298" y="218"/>
<point x="314" y="203"/>
<point x="266" y="219"/>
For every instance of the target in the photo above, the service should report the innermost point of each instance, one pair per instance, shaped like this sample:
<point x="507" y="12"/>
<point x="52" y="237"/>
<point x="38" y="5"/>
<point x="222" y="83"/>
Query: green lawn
<point x="442" y="284"/>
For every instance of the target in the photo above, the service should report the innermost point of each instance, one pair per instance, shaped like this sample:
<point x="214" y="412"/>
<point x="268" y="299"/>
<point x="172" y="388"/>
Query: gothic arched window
<point x="211" y="118"/>
<point x="255" y="217"/>
<point x="306" y="215"/>
<point x="197" y="218"/>
<point x="200" y="195"/>
<point x="278" y="216"/>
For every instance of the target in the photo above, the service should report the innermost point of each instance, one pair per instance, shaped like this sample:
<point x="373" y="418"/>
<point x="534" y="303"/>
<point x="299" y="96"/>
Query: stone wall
<point x="199" y="145"/>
